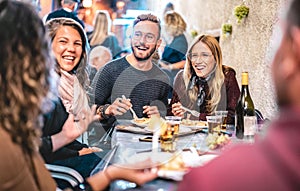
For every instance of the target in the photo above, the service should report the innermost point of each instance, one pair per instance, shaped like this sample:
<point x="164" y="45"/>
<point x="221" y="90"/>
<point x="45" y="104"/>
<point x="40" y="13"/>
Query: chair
<point x="260" y="118"/>
<point x="64" y="176"/>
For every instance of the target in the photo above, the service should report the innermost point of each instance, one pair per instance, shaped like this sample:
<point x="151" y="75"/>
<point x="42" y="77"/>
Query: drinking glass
<point x="214" y="123"/>
<point x="169" y="134"/>
<point x="174" y="121"/>
<point x="223" y="114"/>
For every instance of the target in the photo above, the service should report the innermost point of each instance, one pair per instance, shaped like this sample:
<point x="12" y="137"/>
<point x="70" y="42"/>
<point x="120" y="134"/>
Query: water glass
<point x="223" y="114"/>
<point x="214" y="123"/>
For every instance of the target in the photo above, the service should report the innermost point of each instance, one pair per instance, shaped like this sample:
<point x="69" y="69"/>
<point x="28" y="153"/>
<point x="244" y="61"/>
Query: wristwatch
<point x="101" y="111"/>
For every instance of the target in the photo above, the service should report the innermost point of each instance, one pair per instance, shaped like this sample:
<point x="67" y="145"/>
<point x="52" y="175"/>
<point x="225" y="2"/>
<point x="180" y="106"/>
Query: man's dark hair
<point x="148" y="17"/>
<point x="293" y="16"/>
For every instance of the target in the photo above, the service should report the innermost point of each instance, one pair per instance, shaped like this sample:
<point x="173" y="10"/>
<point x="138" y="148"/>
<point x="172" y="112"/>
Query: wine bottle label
<point x="249" y="125"/>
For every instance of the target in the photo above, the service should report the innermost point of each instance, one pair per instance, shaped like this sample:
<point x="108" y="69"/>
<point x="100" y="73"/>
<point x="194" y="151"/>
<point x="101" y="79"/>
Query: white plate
<point x="139" y="124"/>
<point x="171" y="174"/>
<point x="181" y="129"/>
<point x="195" y="125"/>
<point x="155" y="157"/>
<point x="130" y="128"/>
<point x="206" y="158"/>
<point x="190" y="160"/>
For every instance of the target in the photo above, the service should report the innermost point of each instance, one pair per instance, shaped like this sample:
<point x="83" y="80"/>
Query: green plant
<point x="241" y="12"/>
<point x="226" y="29"/>
<point x="194" y="33"/>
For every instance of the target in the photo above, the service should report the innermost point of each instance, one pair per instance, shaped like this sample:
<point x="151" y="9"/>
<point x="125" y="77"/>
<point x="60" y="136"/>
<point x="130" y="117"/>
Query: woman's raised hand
<point x="177" y="110"/>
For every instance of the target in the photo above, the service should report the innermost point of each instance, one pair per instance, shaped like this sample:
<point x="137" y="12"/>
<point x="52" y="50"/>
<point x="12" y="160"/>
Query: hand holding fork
<point x="132" y="111"/>
<point x="179" y="110"/>
<point x="193" y="112"/>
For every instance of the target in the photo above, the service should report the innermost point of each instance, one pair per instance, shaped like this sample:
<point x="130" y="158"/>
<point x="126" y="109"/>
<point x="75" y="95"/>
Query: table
<point x="127" y="143"/>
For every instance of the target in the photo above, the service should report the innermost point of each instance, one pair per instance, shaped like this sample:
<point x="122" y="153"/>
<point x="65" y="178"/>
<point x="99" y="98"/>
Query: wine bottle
<point x="245" y="112"/>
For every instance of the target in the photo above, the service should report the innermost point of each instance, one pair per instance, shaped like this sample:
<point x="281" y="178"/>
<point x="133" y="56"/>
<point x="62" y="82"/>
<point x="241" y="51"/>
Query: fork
<point x="193" y="112"/>
<point x="132" y="111"/>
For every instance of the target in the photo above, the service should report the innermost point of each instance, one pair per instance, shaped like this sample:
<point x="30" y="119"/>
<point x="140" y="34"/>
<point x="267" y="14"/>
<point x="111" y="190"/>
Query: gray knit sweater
<point x="119" y="78"/>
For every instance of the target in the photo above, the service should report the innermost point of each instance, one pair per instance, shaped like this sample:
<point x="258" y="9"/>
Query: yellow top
<point x="245" y="78"/>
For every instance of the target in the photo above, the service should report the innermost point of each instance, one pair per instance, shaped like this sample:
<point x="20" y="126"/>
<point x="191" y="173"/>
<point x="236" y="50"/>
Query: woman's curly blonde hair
<point x="174" y="23"/>
<point x="25" y="67"/>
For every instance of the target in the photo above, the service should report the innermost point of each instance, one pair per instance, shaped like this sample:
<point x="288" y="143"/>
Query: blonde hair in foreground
<point x="217" y="79"/>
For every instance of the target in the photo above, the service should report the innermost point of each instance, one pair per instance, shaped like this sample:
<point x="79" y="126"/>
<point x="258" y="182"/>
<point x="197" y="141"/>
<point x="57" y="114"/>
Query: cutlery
<point x="110" y="156"/>
<point x="105" y="138"/>
<point x="132" y="111"/>
<point x="200" y="152"/>
<point x="193" y="112"/>
<point x="144" y="151"/>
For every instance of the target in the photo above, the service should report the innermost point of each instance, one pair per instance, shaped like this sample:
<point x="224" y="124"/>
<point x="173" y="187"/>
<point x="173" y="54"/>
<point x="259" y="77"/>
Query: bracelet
<point x="49" y="140"/>
<point x="84" y="186"/>
<point x="101" y="111"/>
<point x="107" y="175"/>
<point x="98" y="110"/>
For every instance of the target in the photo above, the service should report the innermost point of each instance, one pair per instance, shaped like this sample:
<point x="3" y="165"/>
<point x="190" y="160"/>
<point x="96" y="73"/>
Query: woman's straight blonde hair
<point x="217" y="78"/>
<point x="101" y="28"/>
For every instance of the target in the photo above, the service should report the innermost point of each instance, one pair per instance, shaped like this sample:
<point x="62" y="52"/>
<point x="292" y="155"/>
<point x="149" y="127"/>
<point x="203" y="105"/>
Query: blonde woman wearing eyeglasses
<point x="205" y="84"/>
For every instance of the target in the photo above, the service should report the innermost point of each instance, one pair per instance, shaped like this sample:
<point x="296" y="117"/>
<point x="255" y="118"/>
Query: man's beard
<point x="144" y="58"/>
<point x="282" y="97"/>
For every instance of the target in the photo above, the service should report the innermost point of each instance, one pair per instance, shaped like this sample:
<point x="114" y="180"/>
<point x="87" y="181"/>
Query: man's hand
<point x="118" y="107"/>
<point x="151" y="111"/>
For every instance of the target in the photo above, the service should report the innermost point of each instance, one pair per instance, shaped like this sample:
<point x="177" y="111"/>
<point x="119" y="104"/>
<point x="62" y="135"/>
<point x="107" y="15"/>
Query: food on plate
<point x="141" y="120"/>
<point x="215" y="140"/>
<point x="121" y="127"/>
<point x="129" y="128"/>
<point x="175" y="163"/>
<point x="188" y="122"/>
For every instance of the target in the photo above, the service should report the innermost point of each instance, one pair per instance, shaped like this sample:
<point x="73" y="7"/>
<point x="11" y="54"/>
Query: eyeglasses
<point x="203" y="56"/>
<point x="149" y="37"/>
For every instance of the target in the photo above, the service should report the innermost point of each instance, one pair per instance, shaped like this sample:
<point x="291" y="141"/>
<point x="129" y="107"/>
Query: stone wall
<point x="248" y="48"/>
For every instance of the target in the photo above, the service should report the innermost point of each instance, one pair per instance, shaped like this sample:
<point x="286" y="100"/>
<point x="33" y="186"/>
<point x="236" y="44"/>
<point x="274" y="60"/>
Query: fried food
<point x="188" y="122"/>
<point x="142" y="120"/>
<point x="176" y="163"/>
